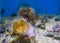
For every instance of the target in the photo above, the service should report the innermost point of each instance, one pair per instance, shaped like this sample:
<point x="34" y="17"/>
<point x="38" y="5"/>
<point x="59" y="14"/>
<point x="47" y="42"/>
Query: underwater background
<point x="50" y="7"/>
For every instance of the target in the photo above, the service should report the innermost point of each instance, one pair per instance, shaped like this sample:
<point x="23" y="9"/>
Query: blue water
<point x="12" y="6"/>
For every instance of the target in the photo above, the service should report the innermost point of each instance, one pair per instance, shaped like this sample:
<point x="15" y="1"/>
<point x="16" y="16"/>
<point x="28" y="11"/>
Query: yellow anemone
<point x="20" y="26"/>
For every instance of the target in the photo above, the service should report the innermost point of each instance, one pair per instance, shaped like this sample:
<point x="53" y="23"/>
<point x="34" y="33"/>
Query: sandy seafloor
<point x="39" y="37"/>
